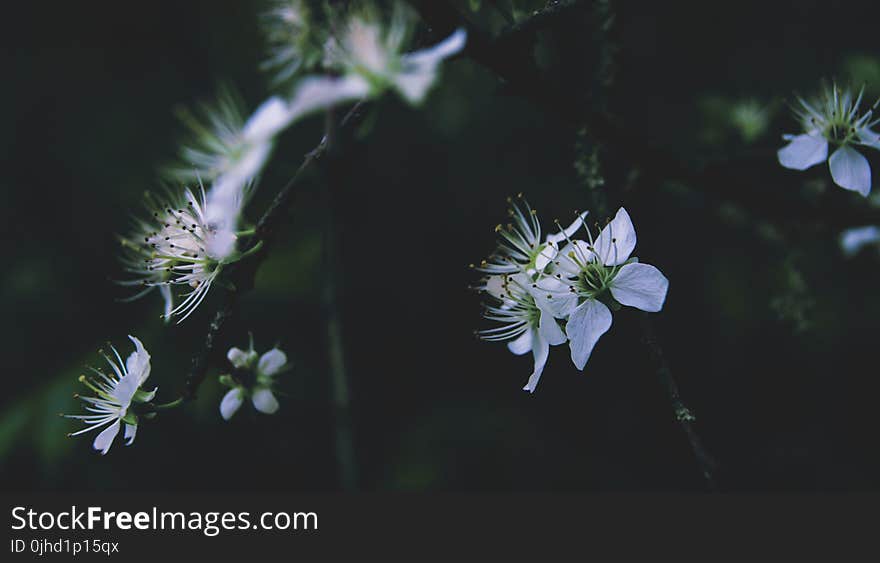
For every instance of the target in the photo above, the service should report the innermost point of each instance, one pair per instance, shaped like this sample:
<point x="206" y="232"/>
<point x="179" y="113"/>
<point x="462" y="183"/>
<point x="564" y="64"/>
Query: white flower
<point x="526" y="324"/>
<point x="834" y="119"/>
<point x="853" y="240"/>
<point x="115" y="393"/>
<point x="373" y="53"/>
<point x="520" y="248"/>
<point x="369" y="57"/>
<point x="178" y="246"/>
<point x="588" y="276"/>
<point x="254" y="376"/>
<point x="229" y="152"/>
<point x="293" y="45"/>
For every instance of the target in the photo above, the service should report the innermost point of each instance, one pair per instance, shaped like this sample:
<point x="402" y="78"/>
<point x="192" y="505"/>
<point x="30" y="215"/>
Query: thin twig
<point x="242" y="274"/>
<point x="683" y="415"/>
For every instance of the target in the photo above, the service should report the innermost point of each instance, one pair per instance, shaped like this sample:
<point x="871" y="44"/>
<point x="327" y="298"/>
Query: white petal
<point x="547" y="254"/>
<point x="803" y="151"/>
<point x="549" y="329"/>
<point x="130" y="433"/>
<point x="420" y="67"/>
<point x="271" y="362"/>
<point x="433" y="55"/>
<point x="315" y="93"/>
<point x="575" y="252"/>
<point x="239" y="358"/>
<point x="641" y="286"/>
<point x="270" y="118"/>
<point x="554" y="296"/>
<point x="231" y="402"/>
<point x="569" y="231"/>
<point x="104" y="440"/>
<point x="221" y="244"/>
<point x="414" y="84"/>
<point x="617" y="240"/>
<point x="126" y="388"/>
<point x="264" y="401"/>
<point x="869" y="138"/>
<point x="495" y="286"/>
<point x="165" y="290"/>
<point x="522" y="344"/>
<point x="853" y="240"/>
<point x="138" y="361"/>
<point x="586" y="325"/>
<point x="540" y="350"/>
<point x="850" y="170"/>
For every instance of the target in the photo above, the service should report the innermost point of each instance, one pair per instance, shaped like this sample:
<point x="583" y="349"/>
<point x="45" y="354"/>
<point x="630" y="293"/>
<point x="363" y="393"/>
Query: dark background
<point x="769" y="331"/>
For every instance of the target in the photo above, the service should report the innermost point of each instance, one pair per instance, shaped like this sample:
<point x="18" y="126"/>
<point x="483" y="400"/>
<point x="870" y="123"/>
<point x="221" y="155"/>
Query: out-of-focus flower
<point x="178" y="246"/>
<point x="373" y="53"/>
<point x="750" y="118"/>
<point x="526" y="324"/>
<point x="114" y="394"/>
<point x="834" y="119"/>
<point x="254" y="377"/>
<point x="589" y="276"/>
<point x="295" y="43"/>
<point x="853" y="240"/>
<point x="368" y="55"/>
<point x="229" y="152"/>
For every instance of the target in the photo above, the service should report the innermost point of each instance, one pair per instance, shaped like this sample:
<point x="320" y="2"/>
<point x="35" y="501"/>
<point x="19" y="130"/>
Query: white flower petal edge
<point x="540" y="351"/>
<point x="521" y="344"/>
<point x="138" y="361"/>
<point x="641" y="286"/>
<point x="850" y="170"/>
<point x="315" y="93"/>
<point x="271" y="362"/>
<point x="104" y="440"/>
<point x="869" y="138"/>
<point x="271" y="117"/>
<point x="264" y="401"/>
<point x="617" y="240"/>
<point x="586" y="324"/>
<point x="853" y="240"/>
<point x="803" y="152"/>
<point x="130" y="433"/>
<point x="420" y="67"/>
<point x="240" y="358"/>
<point x="231" y="402"/>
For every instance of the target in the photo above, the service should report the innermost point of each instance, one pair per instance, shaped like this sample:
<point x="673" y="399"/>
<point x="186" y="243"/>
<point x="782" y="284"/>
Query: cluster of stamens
<point x="174" y="253"/>
<point x="513" y="307"/>
<point x="520" y="242"/>
<point x="836" y="116"/>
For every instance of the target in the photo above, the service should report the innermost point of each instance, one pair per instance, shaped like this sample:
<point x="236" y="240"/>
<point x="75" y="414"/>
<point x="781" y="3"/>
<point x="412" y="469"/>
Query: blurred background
<point x="769" y="331"/>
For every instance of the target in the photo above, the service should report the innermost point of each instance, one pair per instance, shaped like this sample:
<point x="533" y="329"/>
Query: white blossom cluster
<point x="546" y="291"/>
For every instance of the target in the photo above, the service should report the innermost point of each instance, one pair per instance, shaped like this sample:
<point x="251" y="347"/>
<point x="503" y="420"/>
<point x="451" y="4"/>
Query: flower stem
<point x="339" y="387"/>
